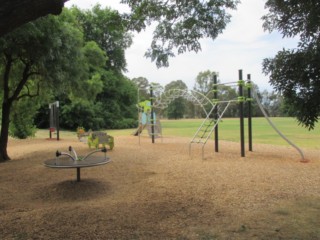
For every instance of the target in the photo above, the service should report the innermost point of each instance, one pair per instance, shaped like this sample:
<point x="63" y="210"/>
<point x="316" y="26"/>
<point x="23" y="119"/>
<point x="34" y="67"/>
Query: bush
<point x="22" y="124"/>
<point x="125" y="123"/>
<point x="79" y="113"/>
<point x="19" y="129"/>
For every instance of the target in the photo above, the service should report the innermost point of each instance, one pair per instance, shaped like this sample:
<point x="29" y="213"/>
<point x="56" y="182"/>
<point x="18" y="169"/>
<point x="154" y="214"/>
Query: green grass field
<point x="229" y="129"/>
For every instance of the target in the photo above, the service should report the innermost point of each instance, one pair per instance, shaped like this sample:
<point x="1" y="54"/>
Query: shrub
<point x="22" y="124"/>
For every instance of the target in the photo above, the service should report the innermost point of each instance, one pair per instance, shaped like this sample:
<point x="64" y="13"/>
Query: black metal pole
<point x="249" y="100"/>
<point x="57" y="121"/>
<point x="50" y="120"/>
<point x="241" y="110"/>
<point x="78" y="174"/>
<point x="216" y="130"/>
<point x="152" y="112"/>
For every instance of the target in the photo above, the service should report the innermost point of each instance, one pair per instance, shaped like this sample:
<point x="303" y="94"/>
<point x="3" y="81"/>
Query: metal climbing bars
<point x="206" y="129"/>
<point x="197" y="98"/>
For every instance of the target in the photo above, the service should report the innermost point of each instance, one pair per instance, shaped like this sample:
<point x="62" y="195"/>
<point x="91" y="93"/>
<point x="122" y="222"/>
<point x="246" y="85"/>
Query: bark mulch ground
<point x="158" y="191"/>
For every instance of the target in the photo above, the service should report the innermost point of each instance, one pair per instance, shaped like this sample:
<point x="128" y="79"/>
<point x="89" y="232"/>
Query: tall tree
<point x="204" y="82"/>
<point x="204" y="85"/>
<point x="296" y="73"/>
<point x="79" y="107"/>
<point x="39" y="52"/>
<point x="116" y="99"/>
<point x="181" y="24"/>
<point x="272" y="103"/>
<point x="176" y="109"/>
<point x="105" y="98"/>
<point x="33" y="51"/>
<point x="227" y="93"/>
<point x="143" y="88"/>
<point x="107" y="28"/>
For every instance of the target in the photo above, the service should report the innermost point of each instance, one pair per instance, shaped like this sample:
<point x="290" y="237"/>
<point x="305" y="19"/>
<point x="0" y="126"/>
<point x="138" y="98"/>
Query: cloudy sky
<point x="243" y="45"/>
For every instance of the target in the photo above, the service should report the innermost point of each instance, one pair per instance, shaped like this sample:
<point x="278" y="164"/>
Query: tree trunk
<point x="6" y="105"/>
<point x="14" y="13"/>
<point x="4" y="132"/>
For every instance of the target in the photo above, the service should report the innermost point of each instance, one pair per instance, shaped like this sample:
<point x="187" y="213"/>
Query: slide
<point x="139" y="130"/>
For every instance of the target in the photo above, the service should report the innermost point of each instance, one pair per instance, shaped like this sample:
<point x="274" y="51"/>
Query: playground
<point x="158" y="191"/>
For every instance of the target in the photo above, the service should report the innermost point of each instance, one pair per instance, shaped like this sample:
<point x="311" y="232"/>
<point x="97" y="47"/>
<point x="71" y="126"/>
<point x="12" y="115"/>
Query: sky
<point x="242" y="45"/>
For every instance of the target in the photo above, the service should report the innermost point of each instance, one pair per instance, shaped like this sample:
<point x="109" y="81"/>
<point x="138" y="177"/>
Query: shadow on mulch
<point x="71" y="190"/>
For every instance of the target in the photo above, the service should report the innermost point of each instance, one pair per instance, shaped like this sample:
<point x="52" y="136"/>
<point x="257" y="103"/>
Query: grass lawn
<point x="229" y="130"/>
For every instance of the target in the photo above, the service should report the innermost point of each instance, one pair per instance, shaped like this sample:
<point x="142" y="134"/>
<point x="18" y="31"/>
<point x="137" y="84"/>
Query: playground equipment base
<point x="66" y="162"/>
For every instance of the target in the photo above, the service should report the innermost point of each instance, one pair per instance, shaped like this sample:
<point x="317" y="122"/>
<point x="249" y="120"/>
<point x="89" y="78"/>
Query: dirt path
<point x="157" y="191"/>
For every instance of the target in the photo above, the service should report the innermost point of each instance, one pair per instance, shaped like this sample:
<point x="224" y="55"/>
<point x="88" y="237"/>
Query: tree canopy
<point x="96" y="40"/>
<point x="204" y="81"/>
<point x="296" y="72"/>
<point x="180" y="24"/>
<point x="177" y="108"/>
<point x="34" y="57"/>
<point x="107" y="28"/>
<point x="53" y="59"/>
